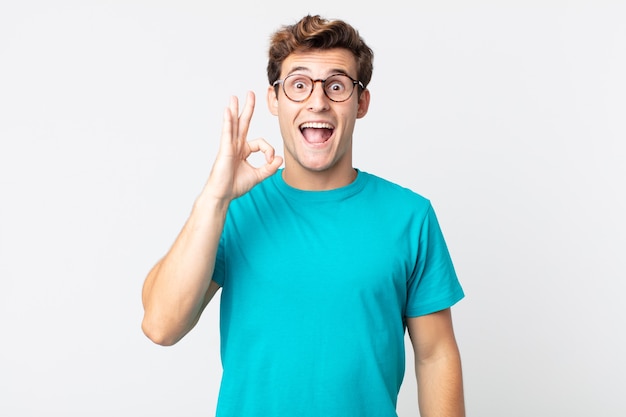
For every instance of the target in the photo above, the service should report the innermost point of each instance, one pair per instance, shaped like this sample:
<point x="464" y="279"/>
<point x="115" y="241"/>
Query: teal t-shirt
<point x="316" y="286"/>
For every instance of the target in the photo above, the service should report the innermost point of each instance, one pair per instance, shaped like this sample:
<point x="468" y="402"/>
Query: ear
<point x="364" y="103"/>
<point x="272" y="100"/>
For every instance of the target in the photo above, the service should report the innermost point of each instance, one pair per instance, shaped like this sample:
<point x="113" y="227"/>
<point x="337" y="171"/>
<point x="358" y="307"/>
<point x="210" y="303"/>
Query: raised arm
<point x="437" y="365"/>
<point x="179" y="286"/>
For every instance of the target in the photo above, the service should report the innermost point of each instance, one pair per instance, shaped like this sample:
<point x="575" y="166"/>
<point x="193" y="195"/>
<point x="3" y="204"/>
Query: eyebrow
<point x="306" y="69"/>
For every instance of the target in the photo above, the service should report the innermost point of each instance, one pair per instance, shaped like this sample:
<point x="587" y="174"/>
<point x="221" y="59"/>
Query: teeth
<point x="316" y="125"/>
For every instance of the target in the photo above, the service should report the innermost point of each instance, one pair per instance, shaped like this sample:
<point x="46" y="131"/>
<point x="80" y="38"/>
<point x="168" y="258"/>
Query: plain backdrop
<point x="509" y="115"/>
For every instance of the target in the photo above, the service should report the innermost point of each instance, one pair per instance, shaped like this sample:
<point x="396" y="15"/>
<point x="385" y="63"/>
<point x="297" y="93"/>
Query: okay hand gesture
<point x="232" y="175"/>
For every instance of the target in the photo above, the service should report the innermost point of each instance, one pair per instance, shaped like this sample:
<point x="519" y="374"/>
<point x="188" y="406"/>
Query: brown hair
<point x="315" y="32"/>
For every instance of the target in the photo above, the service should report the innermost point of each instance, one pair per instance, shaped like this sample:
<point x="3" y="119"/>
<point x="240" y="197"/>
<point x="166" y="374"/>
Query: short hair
<point x="317" y="33"/>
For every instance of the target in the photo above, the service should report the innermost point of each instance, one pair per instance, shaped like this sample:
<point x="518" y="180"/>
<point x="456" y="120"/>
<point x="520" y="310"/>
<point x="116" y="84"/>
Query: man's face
<point x="317" y="132"/>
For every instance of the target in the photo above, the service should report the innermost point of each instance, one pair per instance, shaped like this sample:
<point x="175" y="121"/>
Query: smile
<point x="316" y="132"/>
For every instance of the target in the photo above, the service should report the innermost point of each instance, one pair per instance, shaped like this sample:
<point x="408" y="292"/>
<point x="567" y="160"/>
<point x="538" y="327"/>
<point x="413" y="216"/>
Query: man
<point x="322" y="267"/>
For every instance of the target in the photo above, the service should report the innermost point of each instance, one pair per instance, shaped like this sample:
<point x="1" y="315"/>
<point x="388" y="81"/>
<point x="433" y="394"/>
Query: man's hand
<point x="232" y="175"/>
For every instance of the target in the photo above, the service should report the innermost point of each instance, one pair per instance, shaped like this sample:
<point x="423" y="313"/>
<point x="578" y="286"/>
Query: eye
<point x="336" y="87"/>
<point x="337" y="84"/>
<point x="299" y="84"/>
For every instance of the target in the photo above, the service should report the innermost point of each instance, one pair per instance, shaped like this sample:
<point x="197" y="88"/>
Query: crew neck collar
<point x="324" y="195"/>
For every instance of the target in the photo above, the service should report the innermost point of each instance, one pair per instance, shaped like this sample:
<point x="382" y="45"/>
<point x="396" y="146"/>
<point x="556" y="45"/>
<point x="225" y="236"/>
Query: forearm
<point x="440" y="385"/>
<point x="176" y="289"/>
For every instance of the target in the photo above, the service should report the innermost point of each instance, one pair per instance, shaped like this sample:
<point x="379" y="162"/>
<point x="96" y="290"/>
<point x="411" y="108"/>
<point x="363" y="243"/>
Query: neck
<point x="308" y="180"/>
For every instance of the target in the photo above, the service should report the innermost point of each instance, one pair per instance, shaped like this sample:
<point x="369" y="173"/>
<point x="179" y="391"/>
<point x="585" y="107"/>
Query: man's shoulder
<point x="390" y="189"/>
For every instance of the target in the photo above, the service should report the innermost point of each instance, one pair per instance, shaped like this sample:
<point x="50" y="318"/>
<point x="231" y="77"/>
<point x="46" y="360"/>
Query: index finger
<point x="246" y="115"/>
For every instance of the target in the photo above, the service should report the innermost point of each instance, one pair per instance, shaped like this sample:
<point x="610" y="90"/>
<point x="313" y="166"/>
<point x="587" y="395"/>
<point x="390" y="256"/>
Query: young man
<point x="322" y="267"/>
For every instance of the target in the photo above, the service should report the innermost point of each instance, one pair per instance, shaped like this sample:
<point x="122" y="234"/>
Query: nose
<point x="318" y="101"/>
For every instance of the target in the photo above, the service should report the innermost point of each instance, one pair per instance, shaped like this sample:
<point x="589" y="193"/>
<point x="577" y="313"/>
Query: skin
<point x="437" y="365"/>
<point x="311" y="166"/>
<point x="179" y="286"/>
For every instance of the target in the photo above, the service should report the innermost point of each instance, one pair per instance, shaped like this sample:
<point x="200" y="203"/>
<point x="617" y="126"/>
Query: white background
<point x="508" y="115"/>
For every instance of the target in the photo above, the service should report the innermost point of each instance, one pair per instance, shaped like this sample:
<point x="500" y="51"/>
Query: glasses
<point x="337" y="87"/>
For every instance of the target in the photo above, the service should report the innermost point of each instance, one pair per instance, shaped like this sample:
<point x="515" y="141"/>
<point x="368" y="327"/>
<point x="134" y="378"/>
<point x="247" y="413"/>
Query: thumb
<point x="270" y="168"/>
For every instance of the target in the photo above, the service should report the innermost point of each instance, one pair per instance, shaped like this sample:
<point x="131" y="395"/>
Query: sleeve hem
<point x="435" y="306"/>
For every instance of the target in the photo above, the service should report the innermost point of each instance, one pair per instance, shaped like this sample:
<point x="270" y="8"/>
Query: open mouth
<point x="316" y="133"/>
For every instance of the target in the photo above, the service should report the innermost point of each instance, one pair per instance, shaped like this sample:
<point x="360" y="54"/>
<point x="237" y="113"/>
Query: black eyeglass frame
<point x="323" y="81"/>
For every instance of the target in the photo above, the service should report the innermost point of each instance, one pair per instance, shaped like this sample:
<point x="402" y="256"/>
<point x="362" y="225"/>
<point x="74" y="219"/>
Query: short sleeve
<point x="433" y="285"/>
